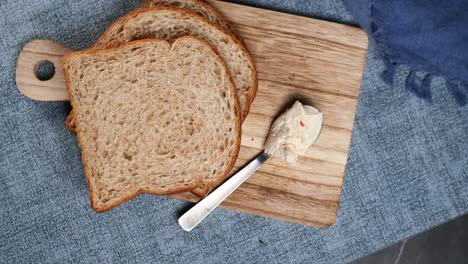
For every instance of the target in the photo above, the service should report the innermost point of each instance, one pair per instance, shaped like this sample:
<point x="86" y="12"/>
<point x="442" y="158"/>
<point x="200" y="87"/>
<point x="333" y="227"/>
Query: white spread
<point x="294" y="132"/>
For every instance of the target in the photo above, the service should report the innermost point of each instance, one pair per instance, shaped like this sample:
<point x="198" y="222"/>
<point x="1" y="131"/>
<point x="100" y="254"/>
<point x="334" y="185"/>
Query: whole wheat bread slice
<point x="159" y="20"/>
<point x="171" y="23"/>
<point x="152" y="118"/>
<point x="156" y="22"/>
<point x="196" y="6"/>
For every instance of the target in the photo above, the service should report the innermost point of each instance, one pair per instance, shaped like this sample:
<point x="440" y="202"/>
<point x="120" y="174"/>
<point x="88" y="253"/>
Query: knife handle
<point x="28" y="82"/>
<point x="196" y="214"/>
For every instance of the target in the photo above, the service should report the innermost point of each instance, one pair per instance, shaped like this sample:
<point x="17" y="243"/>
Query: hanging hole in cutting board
<point x="44" y="70"/>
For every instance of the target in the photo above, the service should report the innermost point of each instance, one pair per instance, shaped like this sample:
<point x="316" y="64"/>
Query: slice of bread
<point x="112" y="36"/>
<point x="152" y="118"/>
<point x="196" y="6"/>
<point x="171" y="24"/>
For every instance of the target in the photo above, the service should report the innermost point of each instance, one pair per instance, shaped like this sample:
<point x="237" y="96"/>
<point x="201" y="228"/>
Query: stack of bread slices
<point x="158" y="102"/>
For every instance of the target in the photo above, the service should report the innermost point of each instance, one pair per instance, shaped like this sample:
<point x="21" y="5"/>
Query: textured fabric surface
<point x="407" y="169"/>
<point x="427" y="35"/>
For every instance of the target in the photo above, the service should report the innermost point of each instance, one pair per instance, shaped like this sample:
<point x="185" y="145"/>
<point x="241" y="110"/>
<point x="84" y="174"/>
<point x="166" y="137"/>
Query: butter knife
<point x="202" y="209"/>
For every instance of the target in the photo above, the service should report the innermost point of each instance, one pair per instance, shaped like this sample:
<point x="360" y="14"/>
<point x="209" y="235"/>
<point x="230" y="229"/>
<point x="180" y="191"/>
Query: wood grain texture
<point x="29" y="85"/>
<point x="317" y="62"/>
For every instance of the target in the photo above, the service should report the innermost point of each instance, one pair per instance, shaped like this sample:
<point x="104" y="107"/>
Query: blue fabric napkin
<point x="429" y="36"/>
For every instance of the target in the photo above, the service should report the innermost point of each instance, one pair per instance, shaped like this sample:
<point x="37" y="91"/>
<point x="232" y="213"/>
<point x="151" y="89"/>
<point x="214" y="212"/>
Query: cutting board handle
<point x="35" y="56"/>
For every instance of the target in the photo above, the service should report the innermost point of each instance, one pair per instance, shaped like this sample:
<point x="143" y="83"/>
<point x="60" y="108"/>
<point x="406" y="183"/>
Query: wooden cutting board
<point x="317" y="62"/>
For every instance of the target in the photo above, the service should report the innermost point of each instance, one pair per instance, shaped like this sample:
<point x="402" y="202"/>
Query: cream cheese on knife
<point x="294" y="132"/>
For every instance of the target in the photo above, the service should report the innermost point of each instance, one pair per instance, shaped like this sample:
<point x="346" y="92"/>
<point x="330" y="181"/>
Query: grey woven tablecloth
<point x="407" y="170"/>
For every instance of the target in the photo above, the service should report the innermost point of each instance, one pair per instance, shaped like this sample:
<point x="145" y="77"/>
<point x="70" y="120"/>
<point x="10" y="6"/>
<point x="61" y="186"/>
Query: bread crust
<point x="137" y="192"/>
<point x="145" y="3"/>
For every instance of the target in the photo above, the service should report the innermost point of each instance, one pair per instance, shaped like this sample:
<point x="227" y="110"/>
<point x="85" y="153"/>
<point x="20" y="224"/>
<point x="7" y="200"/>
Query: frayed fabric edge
<point x="421" y="87"/>
<point x="459" y="90"/>
<point x="420" y="84"/>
